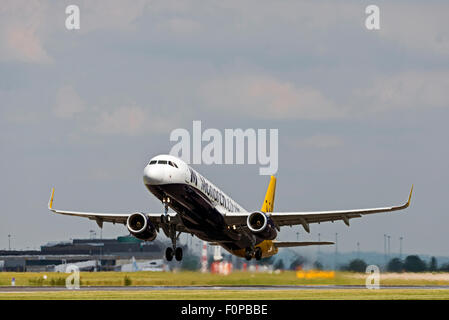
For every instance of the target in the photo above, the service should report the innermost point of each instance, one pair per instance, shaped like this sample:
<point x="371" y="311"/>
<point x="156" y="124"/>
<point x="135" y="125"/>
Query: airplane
<point x="203" y="210"/>
<point x="150" y="265"/>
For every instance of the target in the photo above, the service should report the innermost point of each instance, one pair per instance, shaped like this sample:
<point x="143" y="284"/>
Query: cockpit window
<point x="172" y="164"/>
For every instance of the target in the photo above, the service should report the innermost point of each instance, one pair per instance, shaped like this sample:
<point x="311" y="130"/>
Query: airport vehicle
<point x="203" y="210"/>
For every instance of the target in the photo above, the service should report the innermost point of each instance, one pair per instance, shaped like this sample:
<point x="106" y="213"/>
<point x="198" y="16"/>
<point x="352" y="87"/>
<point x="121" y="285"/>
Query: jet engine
<point x="262" y="225"/>
<point x="140" y="226"/>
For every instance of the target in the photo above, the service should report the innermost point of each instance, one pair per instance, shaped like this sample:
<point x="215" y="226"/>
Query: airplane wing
<point x="306" y="218"/>
<point x="121" y="218"/>
<point x="280" y="244"/>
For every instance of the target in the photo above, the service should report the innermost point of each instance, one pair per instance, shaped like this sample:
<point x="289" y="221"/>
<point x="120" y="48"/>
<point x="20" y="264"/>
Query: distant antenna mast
<point x="388" y="246"/>
<point x="204" y="258"/>
<point x="319" y="249"/>
<point x="336" y="251"/>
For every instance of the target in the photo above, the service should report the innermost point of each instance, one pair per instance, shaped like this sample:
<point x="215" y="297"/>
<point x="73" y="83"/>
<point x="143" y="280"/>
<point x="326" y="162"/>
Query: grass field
<point x="235" y="279"/>
<point x="199" y="279"/>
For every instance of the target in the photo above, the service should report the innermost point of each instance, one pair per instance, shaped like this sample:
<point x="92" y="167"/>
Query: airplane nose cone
<point x="153" y="175"/>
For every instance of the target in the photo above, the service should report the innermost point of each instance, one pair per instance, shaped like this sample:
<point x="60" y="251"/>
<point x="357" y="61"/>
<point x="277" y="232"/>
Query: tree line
<point x="411" y="263"/>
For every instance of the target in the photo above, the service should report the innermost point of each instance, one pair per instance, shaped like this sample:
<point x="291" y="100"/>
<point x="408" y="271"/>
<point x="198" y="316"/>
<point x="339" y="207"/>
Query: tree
<point x="414" y="264"/>
<point x="279" y="265"/>
<point x="318" y="265"/>
<point x="395" y="265"/>
<point x="445" y="267"/>
<point x="191" y="262"/>
<point x="433" y="265"/>
<point x="298" y="262"/>
<point x="357" y="265"/>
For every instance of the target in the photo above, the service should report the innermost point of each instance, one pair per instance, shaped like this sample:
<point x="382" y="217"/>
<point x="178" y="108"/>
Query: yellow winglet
<point x="50" y="202"/>
<point x="410" y="196"/>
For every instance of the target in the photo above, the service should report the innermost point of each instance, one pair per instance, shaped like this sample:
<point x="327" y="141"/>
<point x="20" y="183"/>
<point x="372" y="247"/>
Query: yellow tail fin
<point x="268" y="203"/>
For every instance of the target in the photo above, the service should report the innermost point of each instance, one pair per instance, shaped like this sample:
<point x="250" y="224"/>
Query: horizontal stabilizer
<point x="301" y="244"/>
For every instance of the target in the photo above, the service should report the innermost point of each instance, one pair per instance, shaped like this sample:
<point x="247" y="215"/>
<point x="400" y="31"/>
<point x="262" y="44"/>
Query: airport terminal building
<point x="103" y="254"/>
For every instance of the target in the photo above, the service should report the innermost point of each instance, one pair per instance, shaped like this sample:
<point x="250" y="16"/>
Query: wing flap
<point x="305" y="218"/>
<point x="100" y="217"/>
<point x="301" y="244"/>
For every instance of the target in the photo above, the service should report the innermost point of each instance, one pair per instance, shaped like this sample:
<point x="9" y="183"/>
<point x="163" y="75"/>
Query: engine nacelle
<point x="140" y="226"/>
<point x="260" y="224"/>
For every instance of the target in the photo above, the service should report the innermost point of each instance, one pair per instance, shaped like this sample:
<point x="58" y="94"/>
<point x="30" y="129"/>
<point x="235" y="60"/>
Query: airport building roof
<point x="55" y="253"/>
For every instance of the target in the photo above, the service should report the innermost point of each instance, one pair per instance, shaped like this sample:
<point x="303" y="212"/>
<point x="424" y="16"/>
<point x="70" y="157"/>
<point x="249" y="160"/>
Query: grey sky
<point x="361" y="114"/>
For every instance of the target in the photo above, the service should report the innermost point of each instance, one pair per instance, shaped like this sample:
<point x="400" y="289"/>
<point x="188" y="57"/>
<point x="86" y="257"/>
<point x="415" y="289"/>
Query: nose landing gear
<point x="170" y="231"/>
<point x="165" y="219"/>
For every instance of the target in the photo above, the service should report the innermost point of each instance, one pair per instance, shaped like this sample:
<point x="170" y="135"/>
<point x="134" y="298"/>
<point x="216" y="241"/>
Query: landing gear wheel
<point x="169" y="254"/>
<point x="248" y="254"/>
<point x="178" y="254"/>
<point x="258" y="253"/>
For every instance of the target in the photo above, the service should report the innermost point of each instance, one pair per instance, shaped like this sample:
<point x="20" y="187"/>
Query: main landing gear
<point x="170" y="231"/>
<point x="170" y="252"/>
<point x="253" y="253"/>
<point x="173" y="251"/>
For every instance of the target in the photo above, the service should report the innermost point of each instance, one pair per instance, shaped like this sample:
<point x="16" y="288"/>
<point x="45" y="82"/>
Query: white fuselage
<point x="166" y="169"/>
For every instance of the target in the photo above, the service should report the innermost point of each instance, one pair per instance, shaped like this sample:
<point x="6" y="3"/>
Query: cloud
<point x="419" y="26"/>
<point x="68" y="103"/>
<point x="21" y="27"/>
<point x="264" y="96"/>
<point x="26" y="25"/>
<point x="111" y="14"/>
<point x="320" y="142"/>
<point x="30" y="29"/>
<point x="407" y="90"/>
<point x="123" y="120"/>
<point x="23" y="44"/>
<point x="179" y="26"/>
<point x="131" y="121"/>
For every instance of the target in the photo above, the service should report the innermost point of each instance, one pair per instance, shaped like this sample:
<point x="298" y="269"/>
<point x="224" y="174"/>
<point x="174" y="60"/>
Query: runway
<point x="202" y="288"/>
